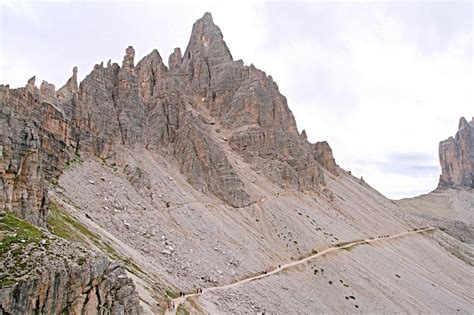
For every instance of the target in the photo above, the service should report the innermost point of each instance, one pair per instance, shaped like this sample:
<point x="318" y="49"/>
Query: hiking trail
<point x="180" y="300"/>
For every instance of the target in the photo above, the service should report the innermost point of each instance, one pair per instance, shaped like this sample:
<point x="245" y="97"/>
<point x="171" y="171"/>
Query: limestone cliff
<point x="178" y="111"/>
<point x="456" y="156"/>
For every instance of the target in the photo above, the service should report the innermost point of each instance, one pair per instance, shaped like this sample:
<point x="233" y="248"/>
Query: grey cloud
<point x="411" y="164"/>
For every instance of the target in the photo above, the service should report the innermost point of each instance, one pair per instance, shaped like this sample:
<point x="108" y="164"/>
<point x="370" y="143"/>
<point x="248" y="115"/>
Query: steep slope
<point x="194" y="175"/>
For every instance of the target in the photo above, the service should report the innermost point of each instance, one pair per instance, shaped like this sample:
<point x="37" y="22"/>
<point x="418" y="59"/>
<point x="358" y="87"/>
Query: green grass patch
<point x="65" y="226"/>
<point x="171" y="294"/>
<point x="15" y="235"/>
<point x="17" y="231"/>
<point x="181" y="310"/>
<point x="6" y="282"/>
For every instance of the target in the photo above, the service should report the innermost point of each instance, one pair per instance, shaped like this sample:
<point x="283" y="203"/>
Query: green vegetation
<point x="182" y="310"/>
<point x="14" y="230"/>
<point x="65" y="226"/>
<point x="171" y="294"/>
<point x="76" y="160"/>
<point x="15" y="235"/>
<point x="81" y="261"/>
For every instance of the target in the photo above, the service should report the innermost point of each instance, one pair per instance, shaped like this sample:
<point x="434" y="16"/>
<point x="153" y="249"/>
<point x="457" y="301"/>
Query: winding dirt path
<point x="180" y="300"/>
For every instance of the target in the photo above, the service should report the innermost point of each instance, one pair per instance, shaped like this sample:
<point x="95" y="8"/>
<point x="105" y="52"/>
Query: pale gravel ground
<point x="426" y="284"/>
<point x="214" y="244"/>
<point x="450" y="209"/>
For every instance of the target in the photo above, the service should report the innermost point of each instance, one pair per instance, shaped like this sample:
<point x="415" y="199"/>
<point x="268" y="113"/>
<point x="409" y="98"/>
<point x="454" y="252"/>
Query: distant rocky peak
<point x="456" y="156"/>
<point x="463" y="123"/>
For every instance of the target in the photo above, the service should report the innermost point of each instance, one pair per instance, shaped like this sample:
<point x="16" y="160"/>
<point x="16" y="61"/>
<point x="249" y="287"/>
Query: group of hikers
<point x="171" y="304"/>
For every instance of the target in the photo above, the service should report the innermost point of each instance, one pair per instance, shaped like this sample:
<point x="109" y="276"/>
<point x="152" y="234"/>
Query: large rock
<point x="64" y="279"/>
<point x="456" y="156"/>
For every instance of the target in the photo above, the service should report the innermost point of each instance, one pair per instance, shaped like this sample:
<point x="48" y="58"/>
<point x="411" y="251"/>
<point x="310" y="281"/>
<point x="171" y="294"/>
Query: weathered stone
<point x="176" y="59"/>
<point x="67" y="95"/>
<point x="456" y="156"/>
<point x="23" y="190"/>
<point x="323" y="154"/>
<point x="48" y="93"/>
<point x="65" y="279"/>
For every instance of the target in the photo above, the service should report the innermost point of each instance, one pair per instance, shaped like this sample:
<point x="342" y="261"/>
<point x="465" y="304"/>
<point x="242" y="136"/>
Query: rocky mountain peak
<point x="175" y="59"/>
<point x="456" y="156"/>
<point x="464" y="124"/>
<point x="30" y="86"/>
<point x="128" y="59"/>
<point x="207" y="40"/>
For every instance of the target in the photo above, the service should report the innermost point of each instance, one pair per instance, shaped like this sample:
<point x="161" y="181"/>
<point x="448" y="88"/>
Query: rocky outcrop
<point x="323" y="154"/>
<point x="44" y="274"/>
<point x="22" y="187"/>
<point x="456" y="156"/>
<point x="34" y="142"/>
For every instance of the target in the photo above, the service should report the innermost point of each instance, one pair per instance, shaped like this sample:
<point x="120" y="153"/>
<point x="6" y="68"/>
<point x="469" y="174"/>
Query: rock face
<point x="34" y="146"/>
<point x="456" y="156"/>
<point x="176" y="111"/>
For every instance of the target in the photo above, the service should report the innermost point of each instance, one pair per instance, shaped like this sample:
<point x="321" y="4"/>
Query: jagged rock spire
<point x="30" y="86"/>
<point x="175" y="59"/>
<point x="206" y="38"/>
<point x="456" y="156"/>
<point x="128" y="59"/>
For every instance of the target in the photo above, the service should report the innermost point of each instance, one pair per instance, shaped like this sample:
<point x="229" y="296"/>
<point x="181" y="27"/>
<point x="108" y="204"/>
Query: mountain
<point x="146" y="180"/>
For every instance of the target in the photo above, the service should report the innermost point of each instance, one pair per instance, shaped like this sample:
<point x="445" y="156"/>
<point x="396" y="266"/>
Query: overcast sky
<point x="382" y="82"/>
